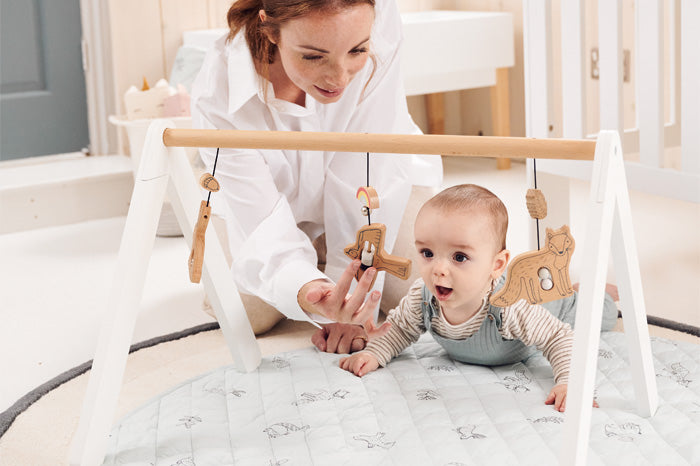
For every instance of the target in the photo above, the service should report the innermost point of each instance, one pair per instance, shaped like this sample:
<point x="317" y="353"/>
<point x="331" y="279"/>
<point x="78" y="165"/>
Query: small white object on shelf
<point x="148" y="102"/>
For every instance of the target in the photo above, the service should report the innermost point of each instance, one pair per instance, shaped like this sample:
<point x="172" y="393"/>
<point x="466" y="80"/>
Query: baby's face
<point x="458" y="257"/>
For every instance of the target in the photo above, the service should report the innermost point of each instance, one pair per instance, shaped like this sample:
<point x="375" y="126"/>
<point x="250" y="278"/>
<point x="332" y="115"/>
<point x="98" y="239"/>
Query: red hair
<point x="245" y="15"/>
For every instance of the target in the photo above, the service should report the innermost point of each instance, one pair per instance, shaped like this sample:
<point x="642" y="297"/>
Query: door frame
<point x="99" y="79"/>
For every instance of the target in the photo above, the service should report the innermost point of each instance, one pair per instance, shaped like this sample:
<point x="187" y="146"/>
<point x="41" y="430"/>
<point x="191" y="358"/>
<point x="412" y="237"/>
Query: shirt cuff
<point x="288" y="281"/>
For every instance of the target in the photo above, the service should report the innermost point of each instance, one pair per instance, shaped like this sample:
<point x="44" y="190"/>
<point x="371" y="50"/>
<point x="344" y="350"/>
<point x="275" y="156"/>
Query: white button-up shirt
<point x="279" y="200"/>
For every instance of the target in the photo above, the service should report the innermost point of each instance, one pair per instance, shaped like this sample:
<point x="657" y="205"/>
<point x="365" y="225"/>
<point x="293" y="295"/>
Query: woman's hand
<point x="340" y="338"/>
<point x="333" y="301"/>
<point x="347" y="338"/>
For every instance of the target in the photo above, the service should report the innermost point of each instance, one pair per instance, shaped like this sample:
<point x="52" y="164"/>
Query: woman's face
<point x="322" y="52"/>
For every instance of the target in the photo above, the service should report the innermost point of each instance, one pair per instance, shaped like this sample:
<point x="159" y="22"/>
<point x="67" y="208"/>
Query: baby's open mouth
<point x="443" y="292"/>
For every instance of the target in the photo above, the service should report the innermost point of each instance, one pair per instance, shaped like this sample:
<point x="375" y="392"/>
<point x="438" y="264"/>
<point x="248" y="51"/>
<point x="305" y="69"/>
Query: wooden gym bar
<point x="476" y="146"/>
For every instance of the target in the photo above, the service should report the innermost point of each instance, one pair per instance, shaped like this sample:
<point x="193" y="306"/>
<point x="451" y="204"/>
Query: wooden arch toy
<point x="609" y="231"/>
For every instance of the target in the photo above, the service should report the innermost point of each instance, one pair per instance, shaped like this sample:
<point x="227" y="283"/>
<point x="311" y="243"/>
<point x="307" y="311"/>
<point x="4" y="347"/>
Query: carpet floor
<point x="51" y="420"/>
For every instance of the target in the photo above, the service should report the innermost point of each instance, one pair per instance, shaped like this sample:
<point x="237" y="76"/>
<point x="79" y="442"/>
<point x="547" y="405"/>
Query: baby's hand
<point x="374" y="331"/>
<point x="557" y="397"/>
<point x="360" y="364"/>
<point x="612" y="291"/>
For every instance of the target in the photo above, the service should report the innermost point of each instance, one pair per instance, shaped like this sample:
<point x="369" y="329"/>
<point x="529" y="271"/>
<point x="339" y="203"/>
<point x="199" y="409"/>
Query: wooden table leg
<point x="500" y="113"/>
<point x="435" y="110"/>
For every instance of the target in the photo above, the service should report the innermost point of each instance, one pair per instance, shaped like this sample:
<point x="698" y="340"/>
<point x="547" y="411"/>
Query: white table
<point x="445" y="51"/>
<point x="453" y="50"/>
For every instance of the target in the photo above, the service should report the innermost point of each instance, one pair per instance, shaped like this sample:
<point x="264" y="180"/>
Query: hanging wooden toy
<point x="196" y="259"/>
<point x="369" y="243"/>
<point x="543" y="275"/>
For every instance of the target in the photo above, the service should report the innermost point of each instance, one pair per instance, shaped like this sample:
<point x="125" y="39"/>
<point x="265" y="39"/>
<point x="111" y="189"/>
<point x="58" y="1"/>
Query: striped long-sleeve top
<point x="531" y="324"/>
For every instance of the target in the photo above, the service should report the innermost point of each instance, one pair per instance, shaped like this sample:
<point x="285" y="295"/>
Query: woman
<point x="306" y="65"/>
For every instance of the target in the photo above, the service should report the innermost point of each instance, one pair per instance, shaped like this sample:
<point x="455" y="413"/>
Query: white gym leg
<point x="216" y="275"/>
<point x="589" y="309"/>
<point x="609" y="227"/>
<point x="119" y="316"/>
<point x="629" y="283"/>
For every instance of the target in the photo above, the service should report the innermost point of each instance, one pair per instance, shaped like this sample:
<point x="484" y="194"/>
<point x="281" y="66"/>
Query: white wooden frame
<point x="165" y="166"/>
<point x="652" y="135"/>
<point x="609" y="230"/>
<point x="99" y="82"/>
<point x="161" y="169"/>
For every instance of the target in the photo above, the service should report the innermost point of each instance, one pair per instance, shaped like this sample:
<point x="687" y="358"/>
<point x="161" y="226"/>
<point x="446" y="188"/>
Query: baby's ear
<point x="500" y="261"/>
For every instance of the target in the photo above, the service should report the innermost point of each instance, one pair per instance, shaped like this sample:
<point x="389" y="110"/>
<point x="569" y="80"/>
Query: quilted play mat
<point x="299" y="408"/>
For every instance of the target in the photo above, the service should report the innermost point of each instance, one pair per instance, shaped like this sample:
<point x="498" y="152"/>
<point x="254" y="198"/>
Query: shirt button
<point x="490" y="317"/>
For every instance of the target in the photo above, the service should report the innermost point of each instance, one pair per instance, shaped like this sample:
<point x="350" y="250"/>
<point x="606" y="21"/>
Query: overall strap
<point x="428" y="308"/>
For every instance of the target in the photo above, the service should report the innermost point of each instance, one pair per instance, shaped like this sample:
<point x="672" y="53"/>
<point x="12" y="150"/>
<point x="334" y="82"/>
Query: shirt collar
<point x="243" y="81"/>
<point x="283" y="106"/>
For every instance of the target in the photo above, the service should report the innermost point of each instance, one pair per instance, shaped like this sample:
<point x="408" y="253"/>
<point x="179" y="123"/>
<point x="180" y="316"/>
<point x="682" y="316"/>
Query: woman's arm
<point x="273" y="258"/>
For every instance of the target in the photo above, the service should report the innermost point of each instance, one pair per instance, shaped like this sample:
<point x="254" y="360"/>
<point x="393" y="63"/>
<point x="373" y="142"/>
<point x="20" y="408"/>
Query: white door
<point x="43" y="107"/>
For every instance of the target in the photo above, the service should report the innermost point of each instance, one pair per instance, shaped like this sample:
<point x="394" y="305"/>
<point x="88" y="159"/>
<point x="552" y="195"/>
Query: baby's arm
<point x="360" y="364"/>
<point x="557" y="397"/>
<point x="534" y="325"/>
<point x="403" y="327"/>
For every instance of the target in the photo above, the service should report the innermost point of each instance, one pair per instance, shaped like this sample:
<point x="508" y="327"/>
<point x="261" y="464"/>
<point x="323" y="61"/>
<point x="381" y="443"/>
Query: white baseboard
<point x="63" y="189"/>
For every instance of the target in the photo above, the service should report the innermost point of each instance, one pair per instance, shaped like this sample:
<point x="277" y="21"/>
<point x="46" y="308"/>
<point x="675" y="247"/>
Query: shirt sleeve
<point x="534" y="325"/>
<point x="406" y="327"/>
<point x="273" y="258"/>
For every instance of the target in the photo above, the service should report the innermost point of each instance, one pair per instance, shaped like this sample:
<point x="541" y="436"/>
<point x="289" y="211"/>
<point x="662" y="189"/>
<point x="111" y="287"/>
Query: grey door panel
<point x="43" y="107"/>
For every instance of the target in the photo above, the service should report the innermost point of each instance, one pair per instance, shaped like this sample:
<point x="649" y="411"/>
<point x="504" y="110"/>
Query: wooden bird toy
<point x="539" y="276"/>
<point x="196" y="259"/>
<point x="369" y="248"/>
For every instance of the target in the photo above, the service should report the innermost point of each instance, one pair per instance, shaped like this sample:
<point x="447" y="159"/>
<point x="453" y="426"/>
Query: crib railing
<point x="654" y="138"/>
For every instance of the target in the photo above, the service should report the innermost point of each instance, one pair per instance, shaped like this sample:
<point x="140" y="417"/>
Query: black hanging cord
<point x="369" y="218"/>
<point x="216" y="159"/>
<point x="537" y="220"/>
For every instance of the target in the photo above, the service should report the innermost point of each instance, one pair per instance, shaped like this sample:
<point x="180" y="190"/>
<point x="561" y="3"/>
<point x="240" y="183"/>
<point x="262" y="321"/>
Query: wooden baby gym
<point x="164" y="168"/>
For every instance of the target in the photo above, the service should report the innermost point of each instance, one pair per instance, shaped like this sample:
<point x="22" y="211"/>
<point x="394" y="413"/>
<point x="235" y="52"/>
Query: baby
<point x="460" y="235"/>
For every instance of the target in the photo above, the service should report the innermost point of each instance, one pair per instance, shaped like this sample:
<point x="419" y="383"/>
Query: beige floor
<point x="55" y="283"/>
